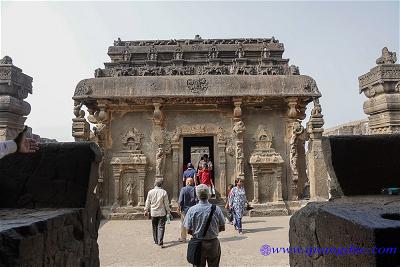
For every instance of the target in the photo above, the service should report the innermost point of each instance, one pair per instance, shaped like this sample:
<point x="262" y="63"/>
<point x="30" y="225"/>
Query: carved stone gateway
<point x="266" y="165"/>
<point x="169" y="96"/>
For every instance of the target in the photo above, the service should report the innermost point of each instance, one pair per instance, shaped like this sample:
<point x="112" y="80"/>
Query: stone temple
<point x="160" y="104"/>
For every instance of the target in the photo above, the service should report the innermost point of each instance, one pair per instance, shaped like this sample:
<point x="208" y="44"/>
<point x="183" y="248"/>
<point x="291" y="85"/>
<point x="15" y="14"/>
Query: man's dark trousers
<point x="158" y="229"/>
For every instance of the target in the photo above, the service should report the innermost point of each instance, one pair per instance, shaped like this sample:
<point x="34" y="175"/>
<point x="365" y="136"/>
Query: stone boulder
<point x="49" y="213"/>
<point x="359" y="226"/>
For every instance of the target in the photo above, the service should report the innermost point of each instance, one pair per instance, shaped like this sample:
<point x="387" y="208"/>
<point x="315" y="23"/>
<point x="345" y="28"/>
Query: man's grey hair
<point x="202" y="191"/>
<point x="158" y="182"/>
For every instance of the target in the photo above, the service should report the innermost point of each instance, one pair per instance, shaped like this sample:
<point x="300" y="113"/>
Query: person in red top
<point x="205" y="177"/>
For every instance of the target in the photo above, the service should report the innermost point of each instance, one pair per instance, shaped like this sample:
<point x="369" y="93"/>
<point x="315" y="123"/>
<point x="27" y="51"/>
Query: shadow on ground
<point x="256" y="230"/>
<point x="231" y="238"/>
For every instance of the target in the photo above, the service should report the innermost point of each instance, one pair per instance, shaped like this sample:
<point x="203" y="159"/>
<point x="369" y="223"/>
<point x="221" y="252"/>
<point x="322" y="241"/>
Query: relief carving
<point x="239" y="128"/>
<point x="131" y="140"/>
<point x="130" y="191"/>
<point x="197" y="86"/>
<point x="83" y="89"/>
<point x="387" y="57"/>
<point x="160" y="156"/>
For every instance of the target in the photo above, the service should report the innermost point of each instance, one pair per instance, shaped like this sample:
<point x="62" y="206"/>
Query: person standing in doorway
<point x="157" y="204"/>
<point x="206" y="178"/>
<point x="238" y="203"/>
<point x="187" y="199"/>
<point x="195" y="222"/>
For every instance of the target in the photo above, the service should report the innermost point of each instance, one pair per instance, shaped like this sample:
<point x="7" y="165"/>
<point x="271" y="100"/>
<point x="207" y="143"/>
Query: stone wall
<point x="49" y="214"/>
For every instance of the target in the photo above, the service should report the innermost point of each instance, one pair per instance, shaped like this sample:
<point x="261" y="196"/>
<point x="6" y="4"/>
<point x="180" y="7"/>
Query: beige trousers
<point x="183" y="229"/>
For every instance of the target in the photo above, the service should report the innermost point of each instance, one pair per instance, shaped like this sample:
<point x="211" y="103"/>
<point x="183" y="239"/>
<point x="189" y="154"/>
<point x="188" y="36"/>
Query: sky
<point x="61" y="43"/>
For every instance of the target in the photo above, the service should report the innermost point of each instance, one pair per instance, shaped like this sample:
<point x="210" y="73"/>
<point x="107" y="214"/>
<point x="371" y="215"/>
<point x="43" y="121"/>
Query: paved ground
<point x="129" y="243"/>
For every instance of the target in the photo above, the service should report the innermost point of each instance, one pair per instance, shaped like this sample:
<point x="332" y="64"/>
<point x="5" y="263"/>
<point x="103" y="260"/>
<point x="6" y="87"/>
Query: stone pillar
<point x="238" y="129"/>
<point x="291" y="169"/>
<point x="317" y="172"/>
<point x="255" y="184"/>
<point x="158" y="137"/>
<point x="279" y="183"/>
<point x="222" y="167"/>
<point x="142" y="175"/>
<point x="14" y="87"/>
<point x="117" y="177"/>
<point x="175" y="172"/>
<point x="382" y="87"/>
<point x="99" y="116"/>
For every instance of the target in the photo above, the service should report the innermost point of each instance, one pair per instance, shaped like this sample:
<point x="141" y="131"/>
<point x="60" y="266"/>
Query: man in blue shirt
<point x="187" y="199"/>
<point x="196" y="220"/>
<point x="189" y="173"/>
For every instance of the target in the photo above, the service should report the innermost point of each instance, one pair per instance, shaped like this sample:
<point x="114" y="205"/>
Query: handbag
<point x="194" y="246"/>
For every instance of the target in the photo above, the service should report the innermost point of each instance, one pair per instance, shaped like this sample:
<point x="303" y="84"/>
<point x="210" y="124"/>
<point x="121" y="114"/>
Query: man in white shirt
<point x="21" y="143"/>
<point x="157" y="204"/>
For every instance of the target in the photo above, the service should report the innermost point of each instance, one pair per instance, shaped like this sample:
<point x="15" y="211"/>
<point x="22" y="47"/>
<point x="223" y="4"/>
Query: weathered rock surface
<point x="49" y="214"/>
<point x="358" y="217"/>
<point x="344" y="223"/>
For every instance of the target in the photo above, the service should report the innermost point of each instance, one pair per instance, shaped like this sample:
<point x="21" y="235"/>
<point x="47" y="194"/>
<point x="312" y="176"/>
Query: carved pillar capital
<point x="158" y="114"/>
<point x="237" y="111"/>
<point x="292" y="112"/>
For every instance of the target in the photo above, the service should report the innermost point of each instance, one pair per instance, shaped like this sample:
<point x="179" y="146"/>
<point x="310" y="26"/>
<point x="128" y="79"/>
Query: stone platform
<point x="282" y="208"/>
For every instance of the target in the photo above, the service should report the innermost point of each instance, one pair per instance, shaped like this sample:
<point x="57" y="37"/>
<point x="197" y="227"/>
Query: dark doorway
<point x="195" y="147"/>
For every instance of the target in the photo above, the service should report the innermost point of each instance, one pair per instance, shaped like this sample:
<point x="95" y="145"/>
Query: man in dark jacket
<point x="187" y="199"/>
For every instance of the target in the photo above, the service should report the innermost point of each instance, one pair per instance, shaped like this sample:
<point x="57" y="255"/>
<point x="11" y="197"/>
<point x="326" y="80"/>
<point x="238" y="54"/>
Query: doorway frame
<point x="220" y="136"/>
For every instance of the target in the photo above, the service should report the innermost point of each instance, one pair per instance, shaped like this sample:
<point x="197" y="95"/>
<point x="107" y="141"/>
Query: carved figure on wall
<point x="178" y="55"/>
<point x="316" y="112"/>
<point x="294" y="70"/>
<point x="159" y="161"/>
<point x="387" y="57"/>
<point x="240" y="160"/>
<point x="298" y="129"/>
<point x="239" y="128"/>
<point x="240" y="52"/>
<point x="118" y="42"/>
<point x="213" y="52"/>
<point x="77" y="110"/>
<point x="130" y="191"/>
<point x="126" y="56"/>
<point x="132" y="139"/>
<point x="152" y="54"/>
<point x="265" y="53"/>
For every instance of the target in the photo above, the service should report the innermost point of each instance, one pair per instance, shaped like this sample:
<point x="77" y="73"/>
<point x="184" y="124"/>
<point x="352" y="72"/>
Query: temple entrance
<point x="195" y="147"/>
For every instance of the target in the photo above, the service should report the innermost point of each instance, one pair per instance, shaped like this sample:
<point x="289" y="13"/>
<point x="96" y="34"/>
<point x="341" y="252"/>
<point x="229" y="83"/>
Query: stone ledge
<point x="282" y="208"/>
<point x="344" y="222"/>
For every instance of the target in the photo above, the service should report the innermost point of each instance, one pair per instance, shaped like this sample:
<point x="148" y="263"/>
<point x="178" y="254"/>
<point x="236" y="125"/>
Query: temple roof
<point x="242" y="56"/>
